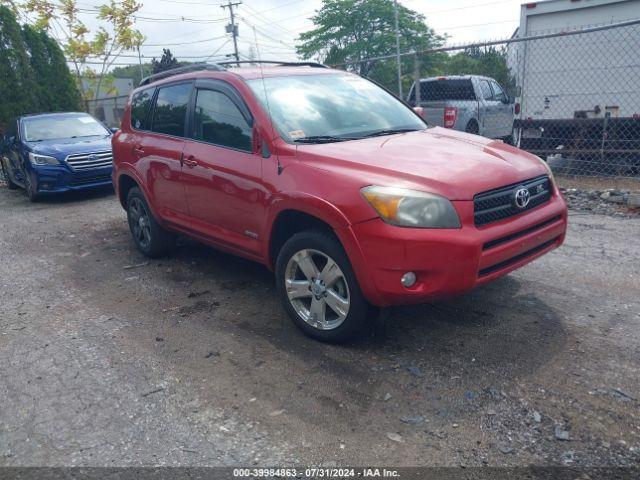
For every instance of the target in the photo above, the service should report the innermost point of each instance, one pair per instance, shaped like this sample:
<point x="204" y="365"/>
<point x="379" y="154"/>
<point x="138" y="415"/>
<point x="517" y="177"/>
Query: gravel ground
<point x="108" y="359"/>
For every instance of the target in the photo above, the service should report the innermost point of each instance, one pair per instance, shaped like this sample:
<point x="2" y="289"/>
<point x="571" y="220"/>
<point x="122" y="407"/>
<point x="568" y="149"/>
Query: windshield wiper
<point x="390" y="131"/>
<point x="322" y="139"/>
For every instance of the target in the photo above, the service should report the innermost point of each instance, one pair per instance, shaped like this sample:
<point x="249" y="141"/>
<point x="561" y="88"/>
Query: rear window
<point x="438" y="90"/>
<point x="140" y="104"/>
<point x="170" y="111"/>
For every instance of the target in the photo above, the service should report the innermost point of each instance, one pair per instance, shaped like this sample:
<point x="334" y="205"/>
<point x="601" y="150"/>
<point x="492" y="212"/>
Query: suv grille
<point x="499" y="204"/>
<point x="88" y="161"/>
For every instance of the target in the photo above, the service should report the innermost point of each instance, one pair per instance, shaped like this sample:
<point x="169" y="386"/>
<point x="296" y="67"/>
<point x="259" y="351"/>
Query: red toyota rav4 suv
<point x="332" y="182"/>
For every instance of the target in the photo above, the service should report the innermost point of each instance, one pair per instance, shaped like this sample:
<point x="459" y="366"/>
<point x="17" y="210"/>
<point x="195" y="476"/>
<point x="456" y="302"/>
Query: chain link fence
<point x="108" y="110"/>
<point x="573" y="98"/>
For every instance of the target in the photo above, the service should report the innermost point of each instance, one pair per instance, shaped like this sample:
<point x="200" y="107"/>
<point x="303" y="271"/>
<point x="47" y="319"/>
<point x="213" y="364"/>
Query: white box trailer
<point x="578" y="93"/>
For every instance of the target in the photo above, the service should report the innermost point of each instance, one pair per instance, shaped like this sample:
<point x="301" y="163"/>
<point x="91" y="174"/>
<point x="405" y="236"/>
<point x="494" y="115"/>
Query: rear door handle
<point x="189" y="161"/>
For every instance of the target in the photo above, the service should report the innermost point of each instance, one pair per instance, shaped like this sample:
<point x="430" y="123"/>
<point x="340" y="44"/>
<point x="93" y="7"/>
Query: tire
<point x="150" y="238"/>
<point x="472" y="127"/>
<point x="7" y="177"/>
<point x="327" y="287"/>
<point x="30" y="189"/>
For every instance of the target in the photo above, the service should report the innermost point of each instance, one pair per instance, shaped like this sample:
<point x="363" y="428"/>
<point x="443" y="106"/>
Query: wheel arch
<point x="125" y="183"/>
<point x="287" y="223"/>
<point x="298" y="212"/>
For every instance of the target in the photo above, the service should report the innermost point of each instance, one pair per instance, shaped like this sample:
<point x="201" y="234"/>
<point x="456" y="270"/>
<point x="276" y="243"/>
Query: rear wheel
<point x="150" y="238"/>
<point x="318" y="287"/>
<point x="7" y="177"/>
<point x="472" y="127"/>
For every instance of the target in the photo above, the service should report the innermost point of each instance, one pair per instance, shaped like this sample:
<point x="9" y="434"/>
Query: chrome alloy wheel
<point x="317" y="289"/>
<point x="140" y="223"/>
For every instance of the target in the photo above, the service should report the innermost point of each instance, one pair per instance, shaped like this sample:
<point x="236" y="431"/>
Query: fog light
<point x="408" y="279"/>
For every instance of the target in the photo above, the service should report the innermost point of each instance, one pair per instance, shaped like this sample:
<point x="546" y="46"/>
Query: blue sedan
<point x="56" y="152"/>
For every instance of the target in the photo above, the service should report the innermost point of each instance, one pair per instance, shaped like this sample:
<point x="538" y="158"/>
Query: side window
<point x="485" y="90"/>
<point x="498" y="93"/>
<point x="219" y="121"/>
<point x="140" y="104"/>
<point x="170" y="110"/>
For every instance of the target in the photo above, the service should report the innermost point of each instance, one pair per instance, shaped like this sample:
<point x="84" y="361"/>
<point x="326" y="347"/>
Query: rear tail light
<point x="516" y="109"/>
<point x="450" y="117"/>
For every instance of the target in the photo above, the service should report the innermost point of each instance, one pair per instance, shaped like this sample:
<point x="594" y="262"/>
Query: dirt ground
<point x="108" y="359"/>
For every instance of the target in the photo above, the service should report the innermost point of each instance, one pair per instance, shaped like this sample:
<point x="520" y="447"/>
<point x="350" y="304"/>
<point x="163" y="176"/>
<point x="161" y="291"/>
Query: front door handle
<point x="138" y="151"/>
<point x="190" y="161"/>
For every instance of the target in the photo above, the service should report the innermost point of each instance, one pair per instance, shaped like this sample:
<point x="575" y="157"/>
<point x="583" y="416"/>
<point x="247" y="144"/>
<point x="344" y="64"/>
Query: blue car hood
<point x="69" y="146"/>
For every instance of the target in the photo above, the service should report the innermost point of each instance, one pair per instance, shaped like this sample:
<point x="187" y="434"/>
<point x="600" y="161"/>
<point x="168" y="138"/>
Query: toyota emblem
<point x="522" y="198"/>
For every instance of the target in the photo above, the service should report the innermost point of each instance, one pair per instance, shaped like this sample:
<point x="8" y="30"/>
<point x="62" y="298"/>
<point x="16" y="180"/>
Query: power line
<point x="214" y="53"/>
<point x="261" y="32"/>
<point x="184" y="43"/>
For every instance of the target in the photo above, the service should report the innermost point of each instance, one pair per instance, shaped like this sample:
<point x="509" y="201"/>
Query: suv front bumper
<point x="452" y="261"/>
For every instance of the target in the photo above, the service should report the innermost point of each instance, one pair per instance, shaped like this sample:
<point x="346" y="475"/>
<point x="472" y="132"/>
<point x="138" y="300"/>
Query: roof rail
<point x="196" y="67"/>
<point x="279" y="63"/>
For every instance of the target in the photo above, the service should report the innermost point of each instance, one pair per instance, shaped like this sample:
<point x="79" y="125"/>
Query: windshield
<point x="332" y="107"/>
<point x="37" y="129"/>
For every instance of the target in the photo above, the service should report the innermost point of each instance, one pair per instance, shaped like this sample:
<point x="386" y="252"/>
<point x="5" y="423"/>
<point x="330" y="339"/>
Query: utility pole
<point x="395" y="11"/>
<point x="140" y="62"/>
<point x="232" y="28"/>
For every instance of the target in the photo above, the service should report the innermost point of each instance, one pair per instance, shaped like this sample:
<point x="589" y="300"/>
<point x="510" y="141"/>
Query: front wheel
<point x="318" y="287"/>
<point x="30" y="188"/>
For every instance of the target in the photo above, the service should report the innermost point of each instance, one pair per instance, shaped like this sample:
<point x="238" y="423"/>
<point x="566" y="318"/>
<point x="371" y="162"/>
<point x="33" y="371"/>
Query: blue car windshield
<point x="37" y="129"/>
<point x="332" y="106"/>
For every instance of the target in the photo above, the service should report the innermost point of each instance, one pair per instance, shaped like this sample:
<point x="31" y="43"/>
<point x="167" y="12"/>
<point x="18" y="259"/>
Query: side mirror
<point x="259" y="146"/>
<point x="419" y="111"/>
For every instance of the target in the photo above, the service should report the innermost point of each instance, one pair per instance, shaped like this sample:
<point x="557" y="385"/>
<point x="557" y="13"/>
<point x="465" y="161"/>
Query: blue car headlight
<point x="36" y="159"/>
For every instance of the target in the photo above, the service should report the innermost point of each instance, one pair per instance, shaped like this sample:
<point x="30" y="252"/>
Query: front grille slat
<point x="89" y="161"/>
<point x="498" y="204"/>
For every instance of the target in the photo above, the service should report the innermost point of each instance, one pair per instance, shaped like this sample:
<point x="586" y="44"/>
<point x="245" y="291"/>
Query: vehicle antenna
<point x="266" y="97"/>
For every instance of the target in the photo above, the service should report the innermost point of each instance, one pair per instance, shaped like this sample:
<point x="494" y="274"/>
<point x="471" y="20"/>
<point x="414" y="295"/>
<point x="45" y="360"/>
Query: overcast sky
<point x="195" y="29"/>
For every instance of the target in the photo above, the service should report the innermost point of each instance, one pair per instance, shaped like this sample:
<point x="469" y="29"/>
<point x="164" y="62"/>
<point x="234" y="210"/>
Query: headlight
<point x="548" y="168"/>
<point x="36" y="159"/>
<point x="411" y="208"/>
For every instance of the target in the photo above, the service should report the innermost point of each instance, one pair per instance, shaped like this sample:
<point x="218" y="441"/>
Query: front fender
<point x="333" y="216"/>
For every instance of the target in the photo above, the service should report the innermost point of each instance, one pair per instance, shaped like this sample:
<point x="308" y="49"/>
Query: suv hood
<point x="453" y="164"/>
<point x="69" y="146"/>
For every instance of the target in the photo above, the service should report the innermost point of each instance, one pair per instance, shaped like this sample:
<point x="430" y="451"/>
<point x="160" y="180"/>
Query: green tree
<point x="133" y="72"/>
<point x="55" y="89"/>
<point x="356" y="30"/>
<point x="115" y="36"/>
<point x="487" y="61"/>
<point x="17" y="83"/>
<point x="167" y="62"/>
